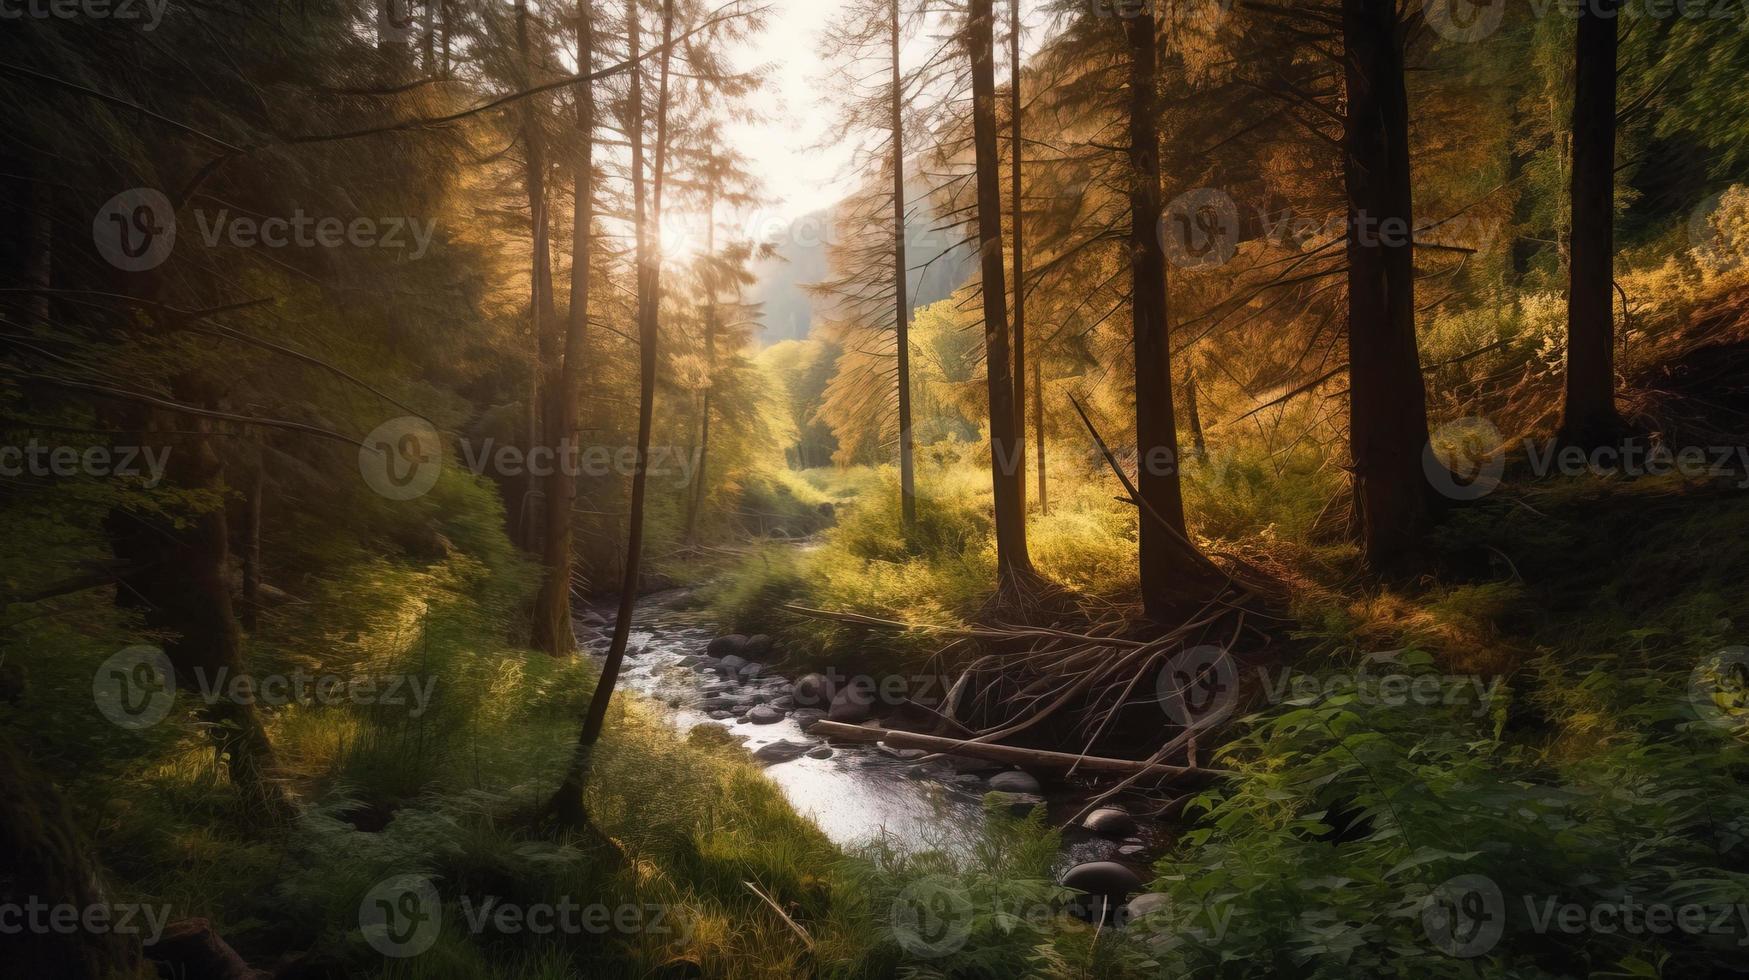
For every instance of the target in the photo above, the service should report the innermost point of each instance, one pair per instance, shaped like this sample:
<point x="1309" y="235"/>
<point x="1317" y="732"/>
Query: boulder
<point x="820" y="752"/>
<point x="723" y="646"/>
<point x="782" y="750"/>
<point x="1146" y="904"/>
<point x="1019" y="804"/>
<point x="903" y="755"/>
<point x="764" y="714"/>
<point x="1103" y="879"/>
<point x="1108" y="821"/>
<point x="758" y="647"/>
<point x="1130" y="850"/>
<point x="813" y="691"/>
<point x="731" y="665"/>
<point x="720" y="714"/>
<point x="805" y="717"/>
<point x="855" y="703"/>
<point x="1014" y="781"/>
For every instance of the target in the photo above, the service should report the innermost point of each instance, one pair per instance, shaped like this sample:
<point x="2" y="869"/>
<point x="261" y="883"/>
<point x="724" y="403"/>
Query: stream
<point x="860" y="793"/>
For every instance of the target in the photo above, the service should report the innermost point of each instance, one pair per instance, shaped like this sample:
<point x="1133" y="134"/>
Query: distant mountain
<point x="790" y="313"/>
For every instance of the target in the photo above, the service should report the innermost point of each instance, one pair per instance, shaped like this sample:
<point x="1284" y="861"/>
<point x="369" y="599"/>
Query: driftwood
<point x="1037" y="758"/>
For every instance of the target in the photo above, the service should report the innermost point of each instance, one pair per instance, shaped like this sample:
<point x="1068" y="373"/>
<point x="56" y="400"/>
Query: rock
<point x="783" y="703"/>
<point x="688" y="661"/>
<point x="720" y="714"/>
<point x="764" y="714"/>
<point x="592" y="618"/>
<point x="1014" y="781"/>
<point x="855" y="703"/>
<point x="814" y="691"/>
<point x="722" y="646"/>
<point x="752" y="672"/>
<point x="805" y="717"/>
<point x="1110" y="822"/>
<point x="731" y="665"/>
<point x="1019" y="804"/>
<point x="904" y="755"/>
<point x="1130" y="850"/>
<point x="782" y="750"/>
<point x="758" y="646"/>
<point x="1146" y="904"/>
<point x="705" y="665"/>
<point x="1103" y="879"/>
<point x="820" y="752"/>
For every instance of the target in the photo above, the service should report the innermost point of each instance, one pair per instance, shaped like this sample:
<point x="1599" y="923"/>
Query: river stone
<point x="1130" y="850"/>
<point x="722" y="646"/>
<point x="705" y="665"/>
<point x="1106" y="879"/>
<point x="903" y="755"/>
<point x="805" y="717"/>
<point x="820" y="752"/>
<point x="731" y="665"/>
<point x="1146" y="904"/>
<point x="1014" y="781"/>
<point x="783" y="703"/>
<point x="782" y="750"/>
<point x="764" y="715"/>
<point x="855" y="703"/>
<point x="758" y="645"/>
<point x="813" y="690"/>
<point x="720" y="714"/>
<point x="1110" y="822"/>
<point x="1019" y="804"/>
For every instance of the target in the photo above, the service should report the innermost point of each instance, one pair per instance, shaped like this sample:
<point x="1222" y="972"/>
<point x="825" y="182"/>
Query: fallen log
<point x="1014" y="754"/>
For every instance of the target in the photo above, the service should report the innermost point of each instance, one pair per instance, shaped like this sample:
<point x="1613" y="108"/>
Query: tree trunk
<point x="1198" y="446"/>
<point x="39" y="261"/>
<point x="901" y="300"/>
<point x="695" y="499"/>
<point x="193" y="607"/>
<point x="1038" y="436"/>
<point x="1171" y="573"/>
<point x="1590" y="419"/>
<point x="1019" y="235"/>
<point x="1387" y="398"/>
<point x="252" y="546"/>
<point x="567" y="803"/>
<point x="553" y="630"/>
<point x="1012" y="562"/>
<point x="548" y="372"/>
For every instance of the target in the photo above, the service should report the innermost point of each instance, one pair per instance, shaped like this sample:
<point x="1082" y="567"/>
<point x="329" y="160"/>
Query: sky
<point x="799" y="176"/>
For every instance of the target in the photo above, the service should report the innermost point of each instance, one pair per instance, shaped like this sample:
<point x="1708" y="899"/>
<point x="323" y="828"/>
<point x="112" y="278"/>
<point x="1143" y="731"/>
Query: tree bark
<point x="1038" y="436"/>
<point x="1590" y="419"/>
<point x="1019" y="235"/>
<point x="901" y="300"/>
<point x="553" y="631"/>
<point x="1171" y="573"/>
<point x="567" y="803"/>
<point x="1387" y="398"/>
<point x="1012" y="562"/>
<point x="1198" y="445"/>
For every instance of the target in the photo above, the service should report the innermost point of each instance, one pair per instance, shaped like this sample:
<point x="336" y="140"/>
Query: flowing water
<point x="862" y="792"/>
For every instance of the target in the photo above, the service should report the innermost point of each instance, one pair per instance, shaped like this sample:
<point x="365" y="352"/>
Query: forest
<point x="530" y="489"/>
